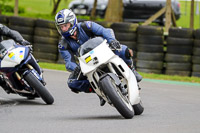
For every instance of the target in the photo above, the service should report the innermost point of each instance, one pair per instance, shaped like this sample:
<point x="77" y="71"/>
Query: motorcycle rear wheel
<point x="120" y="102"/>
<point x="39" y="88"/>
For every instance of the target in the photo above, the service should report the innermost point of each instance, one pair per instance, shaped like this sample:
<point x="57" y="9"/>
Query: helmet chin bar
<point x="69" y="33"/>
<point x="72" y="31"/>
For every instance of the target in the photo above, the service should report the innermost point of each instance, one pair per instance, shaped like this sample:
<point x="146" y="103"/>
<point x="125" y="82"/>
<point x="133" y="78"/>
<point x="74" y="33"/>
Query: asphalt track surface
<point x="170" y="107"/>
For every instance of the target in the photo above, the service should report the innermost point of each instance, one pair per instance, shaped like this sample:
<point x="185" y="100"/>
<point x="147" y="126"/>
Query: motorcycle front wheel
<point x="120" y="102"/>
<point x="39" y="88"/>
<point x="138" y="108"/>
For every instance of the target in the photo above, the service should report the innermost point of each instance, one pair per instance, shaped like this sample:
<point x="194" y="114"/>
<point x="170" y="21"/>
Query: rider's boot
<point x="137" y="75"/>
<point x="102" y="101"/>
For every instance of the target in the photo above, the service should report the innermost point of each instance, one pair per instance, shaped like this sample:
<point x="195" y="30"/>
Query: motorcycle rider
<point x="15" y="35"/>
<point x="75" y="34"/>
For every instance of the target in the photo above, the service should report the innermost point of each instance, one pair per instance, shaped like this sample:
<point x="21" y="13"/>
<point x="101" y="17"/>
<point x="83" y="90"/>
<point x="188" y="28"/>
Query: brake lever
<point x="113" y="49"/>
<point x="30" y="48"/>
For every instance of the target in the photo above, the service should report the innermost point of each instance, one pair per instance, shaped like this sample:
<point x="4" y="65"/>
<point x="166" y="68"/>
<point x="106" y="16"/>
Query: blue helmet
<point x="63" y="17"/>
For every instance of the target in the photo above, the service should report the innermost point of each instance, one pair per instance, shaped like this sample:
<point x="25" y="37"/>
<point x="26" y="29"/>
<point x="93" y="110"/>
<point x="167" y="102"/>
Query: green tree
<point x="56" y="5"/>
<point x="2" y="4"/>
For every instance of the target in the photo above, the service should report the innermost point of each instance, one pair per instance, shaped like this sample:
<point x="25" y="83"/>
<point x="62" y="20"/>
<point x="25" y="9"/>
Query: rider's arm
<point x="94" y="29"/>
<point x="4" y="30"/>
<point x="69" y="63"/>
<point x="99" y="30"/>
<point x="67" y="55"/>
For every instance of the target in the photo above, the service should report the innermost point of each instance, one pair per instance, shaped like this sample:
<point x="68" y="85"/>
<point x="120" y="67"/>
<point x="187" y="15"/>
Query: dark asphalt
<point x="169" y="108"/>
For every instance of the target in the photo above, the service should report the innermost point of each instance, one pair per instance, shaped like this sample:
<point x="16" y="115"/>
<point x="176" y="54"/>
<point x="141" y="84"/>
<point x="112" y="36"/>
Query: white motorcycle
<point x="110" y="77"/>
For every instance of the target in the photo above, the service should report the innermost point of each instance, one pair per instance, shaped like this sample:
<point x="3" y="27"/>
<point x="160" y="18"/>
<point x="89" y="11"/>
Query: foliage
<point x="2" y="5"/>
<point x="184" y="20"/>
<point x="42" y="9"/>
<point x="81" y="17"/>
<point x="52" y="66"/>
<point x="55" y="6"/>
<point x="10" y="9"/>
<point x="3" y="2"/>
<point x="37" y="8"/>
<point x="170" y="77"/>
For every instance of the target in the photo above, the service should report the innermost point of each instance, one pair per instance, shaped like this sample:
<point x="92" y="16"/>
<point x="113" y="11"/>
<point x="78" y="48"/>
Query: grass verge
<point x="145" y="75"/>
<point x="42" y="9"/>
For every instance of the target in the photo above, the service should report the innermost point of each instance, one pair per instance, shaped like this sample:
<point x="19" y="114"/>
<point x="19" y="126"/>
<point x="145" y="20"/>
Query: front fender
<point x="34" y="72"/>
<point x="113" y="76"/>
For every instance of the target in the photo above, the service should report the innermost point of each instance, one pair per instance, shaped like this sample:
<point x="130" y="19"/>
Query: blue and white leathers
<point x="68" y="47"/>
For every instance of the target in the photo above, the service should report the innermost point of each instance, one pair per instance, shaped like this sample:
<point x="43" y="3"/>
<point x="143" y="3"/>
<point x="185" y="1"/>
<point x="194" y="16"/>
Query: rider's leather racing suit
<point x="5" y="31"/>
<point x="68" y="47"/>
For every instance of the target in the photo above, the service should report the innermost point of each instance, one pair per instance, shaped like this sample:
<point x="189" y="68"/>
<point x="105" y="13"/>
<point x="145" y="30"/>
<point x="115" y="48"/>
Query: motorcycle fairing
<point x="13" y="57"/>
<point x="88" y="67"/>
<point x="13" y="54"/>
<point x="89" y="61"/>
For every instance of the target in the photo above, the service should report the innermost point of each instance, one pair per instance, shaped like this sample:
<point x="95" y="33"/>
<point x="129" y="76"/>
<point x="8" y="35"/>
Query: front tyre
<point x="39" y="88"/>
<point x="120" y="101"/>
<point x="138" y="108"/>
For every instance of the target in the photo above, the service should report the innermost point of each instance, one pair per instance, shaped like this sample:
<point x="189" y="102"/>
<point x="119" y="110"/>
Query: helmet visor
<point x="65" y="27"/>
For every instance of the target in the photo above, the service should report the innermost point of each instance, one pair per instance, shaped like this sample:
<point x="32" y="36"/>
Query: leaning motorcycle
<point x="110" y="77"/>
<point x="20" y="72"/>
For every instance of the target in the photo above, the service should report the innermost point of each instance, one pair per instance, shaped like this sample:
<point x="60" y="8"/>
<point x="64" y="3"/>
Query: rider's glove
<point x="115" y="45"/>
<point x="24" y="42"/>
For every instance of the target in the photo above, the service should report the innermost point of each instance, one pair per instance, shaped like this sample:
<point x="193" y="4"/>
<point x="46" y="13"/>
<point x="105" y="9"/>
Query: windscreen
<point x="90" y="45"/>
<point x="4" y="46"/>
<point x="7" y="44"/>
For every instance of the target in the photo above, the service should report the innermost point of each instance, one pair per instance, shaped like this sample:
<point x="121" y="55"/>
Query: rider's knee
<point x="79" y="85"/>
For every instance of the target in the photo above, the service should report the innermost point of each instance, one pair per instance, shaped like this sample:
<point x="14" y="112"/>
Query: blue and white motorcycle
<point x="20" y="72"/>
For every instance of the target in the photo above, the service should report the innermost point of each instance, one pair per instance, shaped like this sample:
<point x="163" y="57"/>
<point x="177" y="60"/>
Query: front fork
<point x="35" y="73"/>
<point x="17" y="74"/>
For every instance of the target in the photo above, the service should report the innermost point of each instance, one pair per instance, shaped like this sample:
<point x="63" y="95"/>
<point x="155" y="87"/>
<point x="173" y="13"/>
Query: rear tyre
<point x="138" y="108"/>
<point x="120" y="101"/>
<point x="39" y="88"/>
